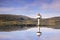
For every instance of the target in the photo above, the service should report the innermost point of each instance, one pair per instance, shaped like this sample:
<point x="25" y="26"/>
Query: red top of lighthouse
<point x="38" y="14"/>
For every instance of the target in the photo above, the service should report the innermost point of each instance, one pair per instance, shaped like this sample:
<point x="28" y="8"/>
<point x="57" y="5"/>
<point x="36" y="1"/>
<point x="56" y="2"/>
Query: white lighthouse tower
<point x="39" y="22"/>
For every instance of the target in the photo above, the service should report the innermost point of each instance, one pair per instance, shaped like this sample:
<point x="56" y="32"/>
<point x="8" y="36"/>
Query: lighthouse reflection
<point x="39" y="33"/>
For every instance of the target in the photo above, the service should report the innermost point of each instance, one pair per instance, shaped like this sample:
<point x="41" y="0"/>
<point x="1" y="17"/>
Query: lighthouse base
<point x="38" y="33"/>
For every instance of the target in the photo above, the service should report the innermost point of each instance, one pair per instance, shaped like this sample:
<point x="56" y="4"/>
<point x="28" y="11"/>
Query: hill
<point x="51" y="21"/>
<point x="6" y="19"/>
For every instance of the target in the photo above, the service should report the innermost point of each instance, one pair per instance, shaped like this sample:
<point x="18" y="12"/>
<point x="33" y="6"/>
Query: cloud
<point x="31" y="4"/>
<point x="11" y="9"/>
<point x="55" y="5"/>
<point x="45" y="7"/>
<point x="6" y="9"/>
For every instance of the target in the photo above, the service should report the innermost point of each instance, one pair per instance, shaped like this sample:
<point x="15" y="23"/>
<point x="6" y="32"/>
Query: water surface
<point x="30" y="34"/>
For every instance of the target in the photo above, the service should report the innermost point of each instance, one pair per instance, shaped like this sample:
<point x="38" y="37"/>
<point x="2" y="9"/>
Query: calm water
<point x="30" y="34"/>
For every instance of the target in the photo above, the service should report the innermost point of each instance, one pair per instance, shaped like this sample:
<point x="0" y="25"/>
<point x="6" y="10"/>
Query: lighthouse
<point x="39" y="22"/>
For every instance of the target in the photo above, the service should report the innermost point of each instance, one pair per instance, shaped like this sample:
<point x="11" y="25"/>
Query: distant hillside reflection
<point x="15" y="28"/>
<point x="12" y="28"/>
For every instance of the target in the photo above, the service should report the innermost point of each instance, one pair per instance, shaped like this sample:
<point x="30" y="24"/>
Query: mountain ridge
<point x="8" y="19"/>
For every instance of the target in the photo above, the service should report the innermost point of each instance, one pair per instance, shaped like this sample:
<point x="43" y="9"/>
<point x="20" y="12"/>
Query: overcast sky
<point x="47" y="8"/>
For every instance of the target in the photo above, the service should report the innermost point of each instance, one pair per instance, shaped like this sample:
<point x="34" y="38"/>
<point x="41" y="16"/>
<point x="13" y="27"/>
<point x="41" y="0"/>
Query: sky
<point x="47" y="8"/>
